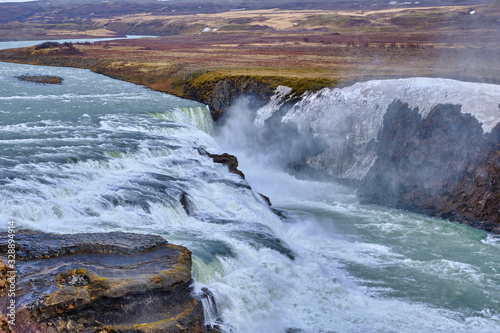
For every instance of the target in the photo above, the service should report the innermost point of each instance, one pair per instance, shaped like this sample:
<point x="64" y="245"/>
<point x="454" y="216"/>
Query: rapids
<point x="97" y="154"/>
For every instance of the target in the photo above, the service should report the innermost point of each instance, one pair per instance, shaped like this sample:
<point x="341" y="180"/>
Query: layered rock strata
<point x="103" y="282"/>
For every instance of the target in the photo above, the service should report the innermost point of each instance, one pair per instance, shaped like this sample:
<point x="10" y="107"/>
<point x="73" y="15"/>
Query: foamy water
<point x="96" y="155"/>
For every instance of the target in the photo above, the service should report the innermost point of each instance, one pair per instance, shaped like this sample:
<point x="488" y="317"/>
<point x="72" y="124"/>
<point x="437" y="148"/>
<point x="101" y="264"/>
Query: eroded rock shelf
<point x="106" y="282"/>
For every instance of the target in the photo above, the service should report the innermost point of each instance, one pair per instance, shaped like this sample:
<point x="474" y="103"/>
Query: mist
<point x="271" y="142"/>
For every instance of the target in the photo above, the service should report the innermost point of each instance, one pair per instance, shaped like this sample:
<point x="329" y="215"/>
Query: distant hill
<point x="62" y="10"/>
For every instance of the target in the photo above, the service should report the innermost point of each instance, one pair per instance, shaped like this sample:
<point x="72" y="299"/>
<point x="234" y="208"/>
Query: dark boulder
<point x="227" y="159"/>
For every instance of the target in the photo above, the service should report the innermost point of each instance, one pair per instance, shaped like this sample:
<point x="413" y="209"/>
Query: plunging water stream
<point x="96" y="154"/>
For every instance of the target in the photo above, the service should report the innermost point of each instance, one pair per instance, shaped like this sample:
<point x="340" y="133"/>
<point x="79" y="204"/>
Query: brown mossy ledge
<point x="219" y="90"/>
<point x="102" y="282"/>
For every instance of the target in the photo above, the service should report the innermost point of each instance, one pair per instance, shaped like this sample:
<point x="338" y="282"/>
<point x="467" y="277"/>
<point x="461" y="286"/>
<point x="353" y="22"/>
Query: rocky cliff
<point x="219" y="94"/>
<point x="113" y="282"/>
<point x="426" y="145"/>
<point x="442" y="165"/>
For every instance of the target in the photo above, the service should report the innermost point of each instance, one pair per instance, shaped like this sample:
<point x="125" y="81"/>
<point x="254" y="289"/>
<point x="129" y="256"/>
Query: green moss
<point x="244" y="27"/>
<point x="205" y="83"/>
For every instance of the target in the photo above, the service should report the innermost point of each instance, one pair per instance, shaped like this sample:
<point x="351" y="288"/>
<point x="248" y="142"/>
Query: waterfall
<point x="349" y="119"/>
<point x="97" y="155"/>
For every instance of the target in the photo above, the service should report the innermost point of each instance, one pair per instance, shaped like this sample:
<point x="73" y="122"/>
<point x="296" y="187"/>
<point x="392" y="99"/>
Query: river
<point x="96" y="154"/>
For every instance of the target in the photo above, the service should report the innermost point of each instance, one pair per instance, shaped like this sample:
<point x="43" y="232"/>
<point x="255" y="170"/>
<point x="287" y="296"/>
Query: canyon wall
<point x="426" y="145"/>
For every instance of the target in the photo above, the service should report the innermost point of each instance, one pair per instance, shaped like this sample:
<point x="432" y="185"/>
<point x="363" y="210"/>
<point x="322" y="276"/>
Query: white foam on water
<point x="315" y="271"/>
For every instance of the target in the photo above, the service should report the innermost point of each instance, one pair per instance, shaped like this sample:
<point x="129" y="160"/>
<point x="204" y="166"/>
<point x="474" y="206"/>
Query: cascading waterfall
<point x="96" y="154"/>
<point x="198" y="116"/>
<point x="351" y="117"/>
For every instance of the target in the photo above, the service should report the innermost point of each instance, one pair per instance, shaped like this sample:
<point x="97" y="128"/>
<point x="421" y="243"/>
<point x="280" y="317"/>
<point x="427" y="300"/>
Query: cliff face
<point x="425" y="145"/>
<point x="442" y="165"/>
<point x="219" y="94"/>
<point x="113" y="282"/>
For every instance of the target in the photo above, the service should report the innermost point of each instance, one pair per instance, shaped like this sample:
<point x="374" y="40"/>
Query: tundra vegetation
<point x="304" y="48"/>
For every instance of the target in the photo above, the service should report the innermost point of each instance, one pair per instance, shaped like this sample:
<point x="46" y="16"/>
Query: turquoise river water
<point x="96" y="154"/>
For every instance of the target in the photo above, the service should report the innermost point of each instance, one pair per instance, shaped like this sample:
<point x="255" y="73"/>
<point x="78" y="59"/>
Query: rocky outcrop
<point x="426" y="145"/>
<point x="104" y="282"/>
<point x="220" y="93"/>
<point x="230" y="160"/>
<point x="442" y="165"/>
<point x="41" y="79"/>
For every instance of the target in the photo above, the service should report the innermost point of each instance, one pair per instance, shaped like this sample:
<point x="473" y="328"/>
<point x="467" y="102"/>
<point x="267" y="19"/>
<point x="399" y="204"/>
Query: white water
<point x="366" y="268"/>
<point x="354" y="115"/>
<point x="96" y="154"/>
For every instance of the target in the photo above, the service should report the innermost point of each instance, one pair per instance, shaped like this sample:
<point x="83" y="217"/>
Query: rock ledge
<point x="103" y="282"/>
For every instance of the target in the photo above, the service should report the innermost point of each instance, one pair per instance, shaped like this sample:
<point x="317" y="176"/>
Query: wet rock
<point x="294" y="330"/>
<point x="230" y="160"/>
<point x="266" y="199"/>
<point x="4" y="324"/>
<point x="41" y="79"/>
<point x="232" y="163"/>
<point x="220" y="94"/>
<point x="37" y="245"/>
<point x="278" y="212"/>
<point x="112" y="282"/>
<point x="442" y="165"/>
<point x="71" y="326"/>
<point x="186" y="204"/>
<point x="3" y="276"/>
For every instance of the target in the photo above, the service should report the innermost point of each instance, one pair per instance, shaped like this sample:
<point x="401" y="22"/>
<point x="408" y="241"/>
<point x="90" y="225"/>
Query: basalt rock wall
<point x="426" y="145"/>
<point x="220" y="94"/>
<point x="442" y="165"/>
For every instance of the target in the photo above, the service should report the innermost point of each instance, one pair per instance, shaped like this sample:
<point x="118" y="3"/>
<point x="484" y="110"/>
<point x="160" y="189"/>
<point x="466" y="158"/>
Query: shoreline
<point x="218" y="86"/>
<point x="212" y="57"/>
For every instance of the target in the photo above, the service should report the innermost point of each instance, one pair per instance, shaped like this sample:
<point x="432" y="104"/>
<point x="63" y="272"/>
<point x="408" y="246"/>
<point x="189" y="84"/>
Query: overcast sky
<point x="3" y="1"/>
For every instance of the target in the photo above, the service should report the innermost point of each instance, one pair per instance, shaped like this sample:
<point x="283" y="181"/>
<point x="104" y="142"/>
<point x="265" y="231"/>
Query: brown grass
<point x="434" y="42"/>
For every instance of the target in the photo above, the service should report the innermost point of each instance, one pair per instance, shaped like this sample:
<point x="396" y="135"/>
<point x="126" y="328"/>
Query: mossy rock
<point x="41" y="79"/>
